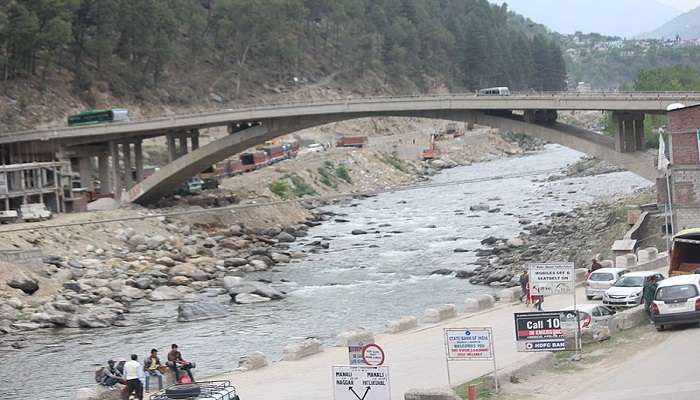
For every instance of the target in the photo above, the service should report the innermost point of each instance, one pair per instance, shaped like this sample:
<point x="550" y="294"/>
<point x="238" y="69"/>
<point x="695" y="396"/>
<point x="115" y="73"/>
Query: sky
<point x="601" y="16"/>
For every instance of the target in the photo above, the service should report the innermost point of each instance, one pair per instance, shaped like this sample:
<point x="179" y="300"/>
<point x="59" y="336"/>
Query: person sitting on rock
<point x="177" y="363"/>
<point x="111" y="375"/>
<point x="151" y="368"/>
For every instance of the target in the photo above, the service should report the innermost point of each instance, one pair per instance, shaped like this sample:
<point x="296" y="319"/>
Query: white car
<point x="594" y="315"/>
<point x="627" y="291"/>
<point x="601" y="280"/>
<point x="677" y="301"/>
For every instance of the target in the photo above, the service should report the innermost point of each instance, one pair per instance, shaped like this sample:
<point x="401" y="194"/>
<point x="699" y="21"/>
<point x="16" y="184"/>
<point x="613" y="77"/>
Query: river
<point x="362" y="280"/>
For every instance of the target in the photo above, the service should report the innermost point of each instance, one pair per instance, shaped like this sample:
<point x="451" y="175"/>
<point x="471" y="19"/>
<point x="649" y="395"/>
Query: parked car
<point x="594" y="315"/>
<point x="32" y="212"/>
<point x="601" y="280"/>
<point x="677" y="301"/>
<point x="627" y="291"/>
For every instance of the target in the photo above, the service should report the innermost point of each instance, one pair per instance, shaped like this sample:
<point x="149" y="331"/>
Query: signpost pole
<point x="495" y="367"/>
<point x="577" y="341"/>
<point x="449" y="378"/>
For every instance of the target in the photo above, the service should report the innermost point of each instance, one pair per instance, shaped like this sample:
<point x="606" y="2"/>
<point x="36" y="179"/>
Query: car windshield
<point x="677" y="292"/>
<point x="630" y="281"/>
<point x="602" y="276"/>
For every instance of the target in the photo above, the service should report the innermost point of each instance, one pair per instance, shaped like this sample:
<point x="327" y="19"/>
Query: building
<point x="684" y="171"/>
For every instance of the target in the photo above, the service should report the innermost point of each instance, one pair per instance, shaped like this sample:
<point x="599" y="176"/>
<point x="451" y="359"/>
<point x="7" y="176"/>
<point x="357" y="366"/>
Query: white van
<point x="677" y="301"/>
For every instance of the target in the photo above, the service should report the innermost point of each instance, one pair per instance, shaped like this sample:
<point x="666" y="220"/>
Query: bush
<point x="394" y="161"/>
<point x="342" y="172"/>
<point x="280" y="188"/>
<point x="299" y="186"/>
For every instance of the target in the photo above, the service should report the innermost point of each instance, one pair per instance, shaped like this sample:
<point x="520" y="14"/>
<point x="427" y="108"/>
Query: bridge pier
<point x="138" y="159"/>
<point x="128" y="170"/>
<point x="103" y="172"/>
<point x="115" y="174"/>
<point x="85" y="168"/>
<point x="629" y="131"/>
<point x="194" y="138"/>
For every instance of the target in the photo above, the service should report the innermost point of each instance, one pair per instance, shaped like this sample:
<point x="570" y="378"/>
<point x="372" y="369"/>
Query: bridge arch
<point x="170" y="176"/>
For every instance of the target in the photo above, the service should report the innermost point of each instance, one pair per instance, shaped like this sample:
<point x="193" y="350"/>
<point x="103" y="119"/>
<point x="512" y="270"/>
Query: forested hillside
<point x="182" y="51"/>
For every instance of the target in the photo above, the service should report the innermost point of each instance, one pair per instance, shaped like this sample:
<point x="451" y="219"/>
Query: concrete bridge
<point x="112" y="144"/>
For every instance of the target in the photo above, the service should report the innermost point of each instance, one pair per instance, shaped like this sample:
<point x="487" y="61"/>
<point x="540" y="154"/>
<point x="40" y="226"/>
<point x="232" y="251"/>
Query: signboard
<point x="372" y="354"/>
<point x="355" y="352"/>
<point x="545" y="331"/>
<point x="361" y="382"/>
<point x="547" y="279"/>
<point x="469" y="344"/>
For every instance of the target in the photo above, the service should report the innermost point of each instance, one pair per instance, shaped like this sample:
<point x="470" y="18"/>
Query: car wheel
<point x="660" y="328"/>
<point x="589" y="297"/>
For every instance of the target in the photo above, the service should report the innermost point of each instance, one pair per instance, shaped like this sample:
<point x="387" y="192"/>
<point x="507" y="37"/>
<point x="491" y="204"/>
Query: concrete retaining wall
<point x="299" y="350"/>
<point x="430" y="394"/>
<point x="440" y="313"/>
<point x="400" y="325"/>
<point x="534" y="365"/>
<point x="511" y="294"/>
<point x="478" y="303"/>
<point x="629" y="319"/>
<point x="254" y="360"/>
<point x="356" y="335"/>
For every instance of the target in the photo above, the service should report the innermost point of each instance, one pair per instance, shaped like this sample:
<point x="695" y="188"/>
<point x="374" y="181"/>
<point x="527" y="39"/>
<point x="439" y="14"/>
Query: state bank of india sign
<point x="548" y="279"/>
<point x="469" y="344"/>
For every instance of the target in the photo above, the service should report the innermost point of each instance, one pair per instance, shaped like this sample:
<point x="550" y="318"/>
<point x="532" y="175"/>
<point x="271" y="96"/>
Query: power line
<point x="283" y="202"/>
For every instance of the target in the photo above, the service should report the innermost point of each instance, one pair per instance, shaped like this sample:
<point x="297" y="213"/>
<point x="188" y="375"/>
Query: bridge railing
<point x="350" y="100"/>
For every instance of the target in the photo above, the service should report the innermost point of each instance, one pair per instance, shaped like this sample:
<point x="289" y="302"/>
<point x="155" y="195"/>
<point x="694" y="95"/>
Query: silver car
<point x="601" y="280"/>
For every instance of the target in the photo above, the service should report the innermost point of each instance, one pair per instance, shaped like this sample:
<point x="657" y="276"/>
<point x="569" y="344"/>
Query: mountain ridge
<point x="686" y="25"/>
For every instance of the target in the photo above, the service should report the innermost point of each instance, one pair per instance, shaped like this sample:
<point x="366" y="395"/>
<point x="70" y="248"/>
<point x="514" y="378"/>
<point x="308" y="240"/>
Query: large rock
<point x="249" y="298"/>
<point x="164" y="293"/>
<point x="231" y="281"/>
<point x="188" y="312"/>
<point x="235" y="262"/>
<point x="595" y="334"/>
<point x="132" y="293"/>
<point x="252" y="361"/>
<point x="258" y="288"/>
<point x="299" y="350"/>
<point x="99" y="392"/>
<point x="23" y="282"/>
<point x="98" y="317"/>
<point x="285" y="237"/>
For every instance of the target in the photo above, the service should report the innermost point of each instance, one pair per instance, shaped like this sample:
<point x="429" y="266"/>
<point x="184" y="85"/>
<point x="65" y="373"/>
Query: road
<point x="416" y="359"/>
<point x="670" y="371"/>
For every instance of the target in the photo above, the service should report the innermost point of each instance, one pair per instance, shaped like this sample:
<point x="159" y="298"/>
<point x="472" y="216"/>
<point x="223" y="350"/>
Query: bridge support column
<point x="85" y="171"/>
<point x="138" y="160"/>
<point x="172" y="149"/>
<point x="115" y="175"/>
<point x="195" y="139"/>
<point x="104" y="173"/>
<point x="128" y="171"/>
<point x="629" y="132"/>
<point x="183" y="145"/>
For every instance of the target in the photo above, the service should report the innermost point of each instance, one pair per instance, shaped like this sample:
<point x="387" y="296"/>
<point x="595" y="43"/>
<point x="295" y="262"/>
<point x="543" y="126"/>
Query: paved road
<point x="416" y="359"/>
<point x="671" y="370"/>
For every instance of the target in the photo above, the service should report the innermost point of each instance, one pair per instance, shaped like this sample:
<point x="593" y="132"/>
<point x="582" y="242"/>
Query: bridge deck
<point x="633" y="102"/>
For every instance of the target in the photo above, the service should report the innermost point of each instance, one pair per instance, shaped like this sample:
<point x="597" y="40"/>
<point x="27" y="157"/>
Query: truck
<point x="685" y="252"/>
<point x="33" y="212"/>
<point x="254" y="160"/>
<point x="352" y="141"/>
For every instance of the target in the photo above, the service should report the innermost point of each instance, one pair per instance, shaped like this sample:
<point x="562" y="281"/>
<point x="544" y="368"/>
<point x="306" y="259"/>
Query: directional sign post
<point x="361" y="382"/>
<point x="470" y="344"/>
<point x="548" y="279"/>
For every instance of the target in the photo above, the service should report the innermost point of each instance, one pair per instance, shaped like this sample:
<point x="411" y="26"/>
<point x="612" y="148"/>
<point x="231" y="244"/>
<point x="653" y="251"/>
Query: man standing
<point x="525" y="287"/>
<point x="648" y="293"/>
<point x="175" y="362"/>
<point x="151" y="366"/>
<point x="133" y="373"/>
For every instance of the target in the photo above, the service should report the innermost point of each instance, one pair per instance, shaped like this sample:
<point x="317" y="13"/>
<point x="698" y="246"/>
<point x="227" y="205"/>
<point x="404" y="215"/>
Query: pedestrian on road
<point x="539" y="299"/>
<point x="648" y="293"/>
<point x="133" y="373"/>
<point x="525" y="287"/>
<point x="595" y="265"/>
<point x="151" y="367"/>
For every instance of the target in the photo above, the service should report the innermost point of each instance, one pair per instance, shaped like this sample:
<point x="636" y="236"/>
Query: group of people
<point x="131" y="373"/>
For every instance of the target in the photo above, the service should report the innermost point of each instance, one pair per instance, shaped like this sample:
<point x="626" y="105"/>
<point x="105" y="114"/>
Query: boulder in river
<point x="480" y="207"/>
<point x="23" y="282"/>
<point x="188" y="312"/>
<point x="442" y="271"/>
<point x="285" y="237"/>
<point x="249" y="298"/>
<point x="463" y="274"/>
<point x="358" y="232"/>
<point x="163" y="293"/>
